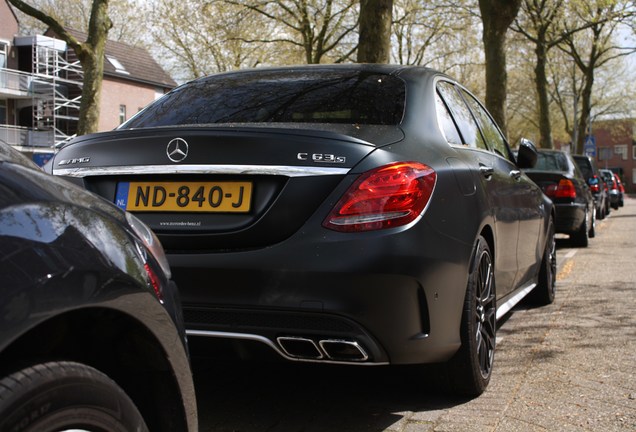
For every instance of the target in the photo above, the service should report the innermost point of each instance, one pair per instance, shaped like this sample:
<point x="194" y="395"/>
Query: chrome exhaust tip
<point x="300" y="348"/>
<point x="343" y="350"/>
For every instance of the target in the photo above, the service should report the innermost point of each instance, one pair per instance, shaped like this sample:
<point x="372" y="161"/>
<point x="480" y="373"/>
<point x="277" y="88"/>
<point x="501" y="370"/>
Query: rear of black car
<point x="322" y="212"/>
<point x="562" y="181"/>
<point x="230" y="190"/>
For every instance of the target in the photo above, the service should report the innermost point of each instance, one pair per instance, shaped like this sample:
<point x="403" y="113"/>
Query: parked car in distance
<point x="620" y="190"/>
<point x="91" y="329"/>
<point x="615" y="194"/>
<point x="348" y="214"/>
<point x="559" y="177"/>
<point x="597" y="184"/>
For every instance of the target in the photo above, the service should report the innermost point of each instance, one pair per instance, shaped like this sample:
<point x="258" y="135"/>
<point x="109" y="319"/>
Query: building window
<point x="122" y="113"/>
<point x="621" y="151"/>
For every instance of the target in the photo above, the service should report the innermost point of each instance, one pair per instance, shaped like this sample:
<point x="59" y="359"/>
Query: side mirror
<point x="527" y="154"/>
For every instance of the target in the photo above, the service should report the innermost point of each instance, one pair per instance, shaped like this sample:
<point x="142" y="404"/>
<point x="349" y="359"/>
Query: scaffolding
<point x="56" y="88"/>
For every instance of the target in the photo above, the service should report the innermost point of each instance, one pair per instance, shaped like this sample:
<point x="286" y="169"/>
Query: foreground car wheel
<point x="545" y="290"/>
<point x="471" y="368"/>
<point x="59" y="396"/>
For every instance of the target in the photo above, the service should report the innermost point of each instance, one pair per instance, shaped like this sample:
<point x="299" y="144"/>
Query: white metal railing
<point x="16" y="81"/>
<point x="26" y="137"/>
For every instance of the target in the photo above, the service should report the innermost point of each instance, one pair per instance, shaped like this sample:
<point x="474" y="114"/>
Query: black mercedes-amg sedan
<point x="91" y="329"/>
<point x="351" y="214"/>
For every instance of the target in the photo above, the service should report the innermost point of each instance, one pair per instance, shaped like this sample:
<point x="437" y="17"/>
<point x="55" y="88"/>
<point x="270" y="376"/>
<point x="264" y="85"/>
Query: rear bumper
<point x="569" y="217"/>
<point x="399" y="307"/>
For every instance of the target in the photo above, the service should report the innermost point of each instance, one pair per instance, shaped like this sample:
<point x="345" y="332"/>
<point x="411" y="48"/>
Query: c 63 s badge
<point x="321" y="157"/>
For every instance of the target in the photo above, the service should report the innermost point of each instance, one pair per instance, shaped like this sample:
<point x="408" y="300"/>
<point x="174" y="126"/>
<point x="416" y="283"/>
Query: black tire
<point x="544" y="293"/>
<point x="581" y="237"/>
<point x="592" y="231"/>
<point x="600" y="213"/>
<point x="470" y="369"/>
<point x="58" y="396"/>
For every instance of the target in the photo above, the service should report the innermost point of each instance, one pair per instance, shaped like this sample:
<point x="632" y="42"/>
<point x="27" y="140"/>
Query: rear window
<point x="551" y="162"/>
<point x="292" y="96"/>
<point x="585" y="165"/>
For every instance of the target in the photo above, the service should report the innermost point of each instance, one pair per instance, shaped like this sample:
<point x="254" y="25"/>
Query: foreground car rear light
<point x="565" y="189"/>
<point x="386" y="197"/>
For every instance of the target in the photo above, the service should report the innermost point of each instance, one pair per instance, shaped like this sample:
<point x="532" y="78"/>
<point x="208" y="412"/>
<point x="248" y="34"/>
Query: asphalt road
<point x="570" y="366"/>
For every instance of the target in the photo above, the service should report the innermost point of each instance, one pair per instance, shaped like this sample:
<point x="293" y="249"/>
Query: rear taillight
<point x="386" y="197"/>
<point x="564" y="189"/>
<point x="595" y="184"/>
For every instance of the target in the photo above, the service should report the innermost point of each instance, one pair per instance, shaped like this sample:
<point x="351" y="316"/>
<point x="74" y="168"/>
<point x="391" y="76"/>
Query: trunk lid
<point x="221" y="188"/>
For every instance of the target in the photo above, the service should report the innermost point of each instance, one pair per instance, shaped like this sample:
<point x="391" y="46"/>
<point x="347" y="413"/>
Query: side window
<point x="446" y="122"/>
<point x="465" y="121"/>
<point x="488" y="127"/>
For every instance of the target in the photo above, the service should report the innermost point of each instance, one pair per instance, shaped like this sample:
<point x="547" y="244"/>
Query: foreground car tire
<point x="470" y="369"/>
<point x="545" y="290"/>
<point x="65" y="395"/>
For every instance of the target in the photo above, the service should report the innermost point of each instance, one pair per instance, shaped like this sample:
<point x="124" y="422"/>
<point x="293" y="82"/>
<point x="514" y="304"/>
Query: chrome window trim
<point x="281" y="170"/>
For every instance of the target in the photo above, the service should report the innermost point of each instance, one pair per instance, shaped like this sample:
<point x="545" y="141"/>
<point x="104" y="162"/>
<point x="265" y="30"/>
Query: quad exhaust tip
<point x="323" y="350"/>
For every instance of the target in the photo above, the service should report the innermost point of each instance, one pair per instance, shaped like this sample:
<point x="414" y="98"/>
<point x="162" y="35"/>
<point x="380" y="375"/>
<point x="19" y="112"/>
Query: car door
<point x="494" y="180"/>
<point x="516" y="193"/>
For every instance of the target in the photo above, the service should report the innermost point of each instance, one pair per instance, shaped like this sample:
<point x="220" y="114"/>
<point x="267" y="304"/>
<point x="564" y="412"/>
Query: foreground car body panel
<point x="79" y="285"/>
<point x="277" y="274"/>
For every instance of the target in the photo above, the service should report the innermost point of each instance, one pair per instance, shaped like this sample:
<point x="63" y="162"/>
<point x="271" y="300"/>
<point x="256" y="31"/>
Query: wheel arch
<point x="114" y="343"/>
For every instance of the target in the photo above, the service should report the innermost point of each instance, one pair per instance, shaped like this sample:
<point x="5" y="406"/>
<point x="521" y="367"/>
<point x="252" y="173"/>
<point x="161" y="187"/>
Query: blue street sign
<point x="589" y="147"/>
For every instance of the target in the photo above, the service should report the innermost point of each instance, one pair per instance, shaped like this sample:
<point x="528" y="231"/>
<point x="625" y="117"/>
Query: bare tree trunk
<point x="374" y="45"/>
<point x="92" y="61"/>
<point x="541" y="82"/>
<point x="497" y="15"/>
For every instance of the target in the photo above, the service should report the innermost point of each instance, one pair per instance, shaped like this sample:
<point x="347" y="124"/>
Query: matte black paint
<point x="400" y="290"/>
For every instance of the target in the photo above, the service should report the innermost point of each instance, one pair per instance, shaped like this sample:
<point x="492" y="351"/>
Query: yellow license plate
<point x="221" y="197"/>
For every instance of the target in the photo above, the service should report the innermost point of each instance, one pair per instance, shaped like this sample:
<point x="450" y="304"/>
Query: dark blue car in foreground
<point x="91" y="330"/>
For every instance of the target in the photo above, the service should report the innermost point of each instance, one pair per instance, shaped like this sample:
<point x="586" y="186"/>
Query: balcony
<point x="23" y="137"/>
<point x="15" y="84"/>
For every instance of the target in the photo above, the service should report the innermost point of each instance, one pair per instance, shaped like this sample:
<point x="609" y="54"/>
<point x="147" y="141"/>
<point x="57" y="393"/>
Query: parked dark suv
<point x="597" y="184"/>
<point x="91" y="330"/>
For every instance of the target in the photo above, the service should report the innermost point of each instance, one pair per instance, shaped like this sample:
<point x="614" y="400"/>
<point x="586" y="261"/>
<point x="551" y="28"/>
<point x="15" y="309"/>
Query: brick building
<point x="41" y="82"/>
<point x="616" y="148"/>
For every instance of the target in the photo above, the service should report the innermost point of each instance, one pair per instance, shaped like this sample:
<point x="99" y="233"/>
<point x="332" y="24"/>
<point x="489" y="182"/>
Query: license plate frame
<point x="185" y="196"/>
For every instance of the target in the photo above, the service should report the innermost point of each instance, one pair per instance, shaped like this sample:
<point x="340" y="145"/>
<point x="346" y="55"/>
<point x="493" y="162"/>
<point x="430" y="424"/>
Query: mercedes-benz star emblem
<point x="177" y="150"/>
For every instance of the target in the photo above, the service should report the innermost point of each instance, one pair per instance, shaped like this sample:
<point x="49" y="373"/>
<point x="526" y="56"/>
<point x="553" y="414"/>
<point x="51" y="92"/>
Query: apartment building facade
<point x="41" y="84"/>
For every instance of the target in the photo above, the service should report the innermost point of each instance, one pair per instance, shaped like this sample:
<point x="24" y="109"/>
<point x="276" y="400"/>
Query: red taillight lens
<point x="386" y="197"/>
<point x="565" y="189"/>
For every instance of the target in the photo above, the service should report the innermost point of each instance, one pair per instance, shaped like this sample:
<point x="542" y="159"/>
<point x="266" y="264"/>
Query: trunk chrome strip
<point x="281" y="170"/>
